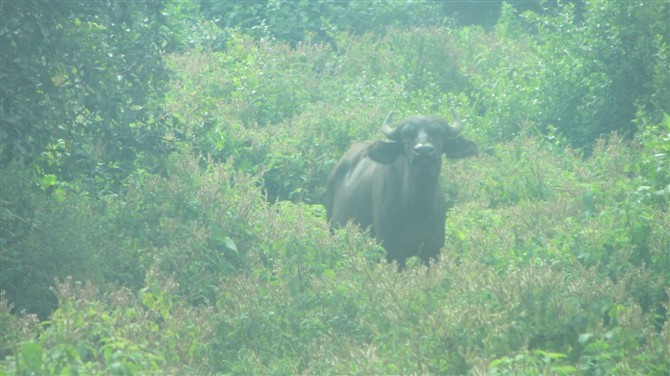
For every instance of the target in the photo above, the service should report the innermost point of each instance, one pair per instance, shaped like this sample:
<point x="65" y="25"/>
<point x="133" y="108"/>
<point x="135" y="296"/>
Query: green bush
<point x="81" y="86"/>
<point x="320" y="21"/>
<point x="118" y="333"/>
<point x="208" y="252"/>
<point x="535" y="278"/>
<point x="50" y="231"/>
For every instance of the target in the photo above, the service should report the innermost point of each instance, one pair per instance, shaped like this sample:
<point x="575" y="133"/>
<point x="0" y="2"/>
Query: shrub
<point x="117" y="333"/>
<point x="220" y="261"/>
<point x="544" y="277"/>
<point x="50" y="231"/>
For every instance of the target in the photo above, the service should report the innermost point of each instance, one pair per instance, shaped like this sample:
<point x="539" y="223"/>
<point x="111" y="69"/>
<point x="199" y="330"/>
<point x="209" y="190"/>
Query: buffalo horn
<point x="389" y="132"/>
<point x="456" y="126"/>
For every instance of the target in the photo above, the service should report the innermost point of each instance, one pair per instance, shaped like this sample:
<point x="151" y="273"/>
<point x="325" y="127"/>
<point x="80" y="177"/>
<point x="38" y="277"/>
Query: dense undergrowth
<point x="554" y="264"/>
<point x="212" y="255"/>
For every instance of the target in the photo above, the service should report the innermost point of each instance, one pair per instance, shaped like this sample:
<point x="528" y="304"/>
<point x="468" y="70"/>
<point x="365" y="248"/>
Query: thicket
<point x="163" y="168"/>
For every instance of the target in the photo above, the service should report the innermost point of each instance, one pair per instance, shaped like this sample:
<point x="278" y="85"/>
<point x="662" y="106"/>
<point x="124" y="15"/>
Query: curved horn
<point x="456" y="126"/>
<point x="387" y="130"/>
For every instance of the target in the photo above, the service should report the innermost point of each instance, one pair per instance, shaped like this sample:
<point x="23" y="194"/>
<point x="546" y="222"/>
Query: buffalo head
<point x="422" y="140"/>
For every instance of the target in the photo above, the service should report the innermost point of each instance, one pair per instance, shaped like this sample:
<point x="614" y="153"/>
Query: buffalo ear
<point x="384" y="152"/>
<point x="460" y="147"/>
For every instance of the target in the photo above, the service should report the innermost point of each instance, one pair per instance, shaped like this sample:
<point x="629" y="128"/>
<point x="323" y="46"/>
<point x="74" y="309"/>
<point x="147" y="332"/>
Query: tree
<point x="79" y="85"/>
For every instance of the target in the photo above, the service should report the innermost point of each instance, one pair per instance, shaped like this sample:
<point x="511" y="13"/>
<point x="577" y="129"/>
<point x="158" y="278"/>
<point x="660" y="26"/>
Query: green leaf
<point x="48" y="181"/>
<point x="32" y="355"/>
<point x="230" y="244"/>
<point x="565" y="370"/>
<point x="329" y="274"/>
<point x="584" y="337"/>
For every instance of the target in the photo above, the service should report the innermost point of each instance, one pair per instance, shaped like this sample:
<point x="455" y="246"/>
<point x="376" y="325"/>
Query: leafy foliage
<point x="80" y="81"/>
<point x="318" y="20"/>
<point x="172" y="223"/>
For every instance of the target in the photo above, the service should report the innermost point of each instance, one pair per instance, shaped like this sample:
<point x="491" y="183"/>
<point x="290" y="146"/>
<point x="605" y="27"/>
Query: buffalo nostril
<point x="423" y="149"/>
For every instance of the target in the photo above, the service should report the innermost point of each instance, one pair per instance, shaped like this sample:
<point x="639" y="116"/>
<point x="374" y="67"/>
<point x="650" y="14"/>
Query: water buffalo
<point x="392" y="187"/>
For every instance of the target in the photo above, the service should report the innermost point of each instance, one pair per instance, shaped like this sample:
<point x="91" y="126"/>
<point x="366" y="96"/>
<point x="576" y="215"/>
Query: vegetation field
<point x="163" y="172"/>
